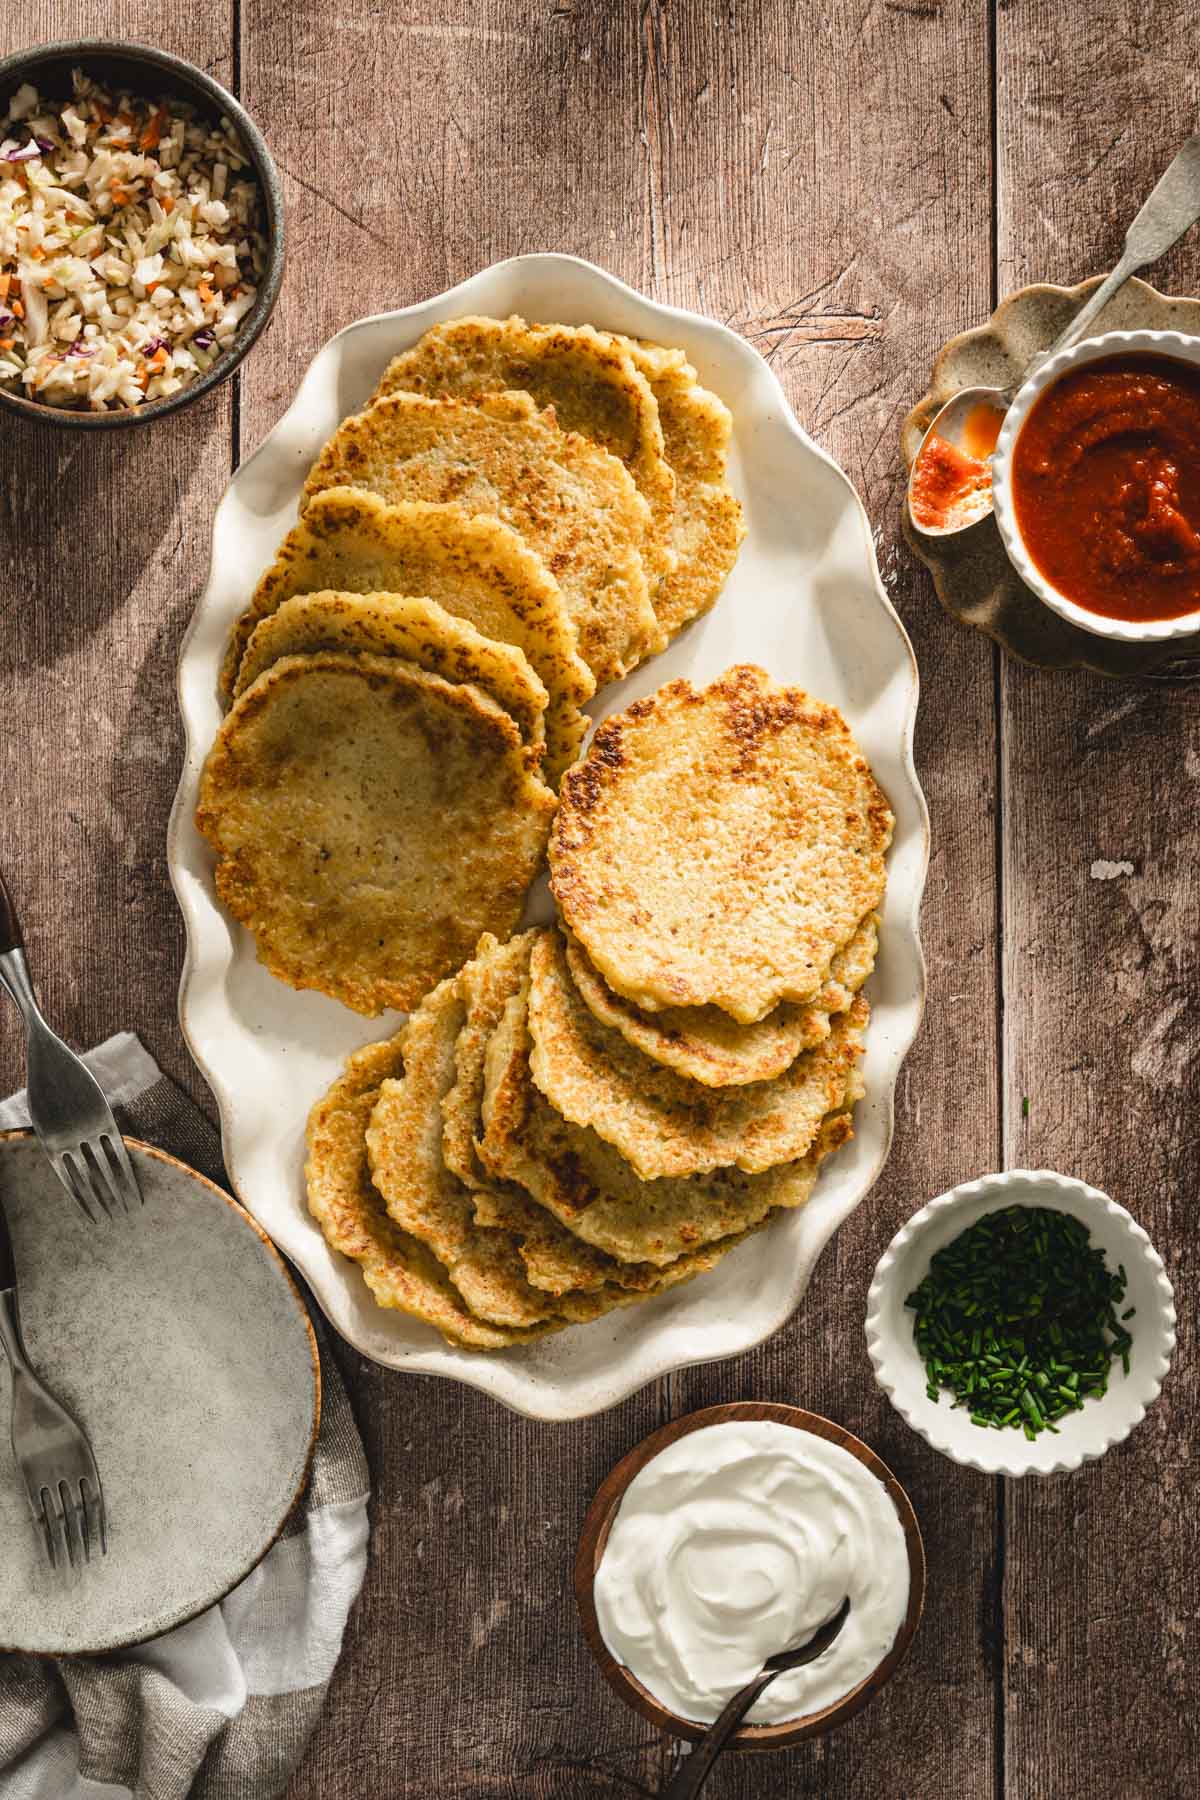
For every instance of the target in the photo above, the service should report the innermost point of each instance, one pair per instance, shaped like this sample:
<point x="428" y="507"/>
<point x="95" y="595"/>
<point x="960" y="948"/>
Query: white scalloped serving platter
<point x="805" y="601"/>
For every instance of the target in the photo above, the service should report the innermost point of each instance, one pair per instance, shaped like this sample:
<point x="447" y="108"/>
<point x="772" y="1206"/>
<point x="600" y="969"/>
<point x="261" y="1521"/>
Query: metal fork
<point x="52" y="1453"/>
<point x="72" y="1119"/>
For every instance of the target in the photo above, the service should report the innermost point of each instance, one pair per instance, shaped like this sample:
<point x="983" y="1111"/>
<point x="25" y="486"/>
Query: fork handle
<point x="10" y="925"/>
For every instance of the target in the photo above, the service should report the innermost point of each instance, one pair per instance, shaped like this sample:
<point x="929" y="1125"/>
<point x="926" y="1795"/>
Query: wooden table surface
<point x="847" y="184"/>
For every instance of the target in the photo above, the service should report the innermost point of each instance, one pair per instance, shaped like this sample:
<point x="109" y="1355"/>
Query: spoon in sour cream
<point x="950" y="482"/>
<point x="691" y="1775"/>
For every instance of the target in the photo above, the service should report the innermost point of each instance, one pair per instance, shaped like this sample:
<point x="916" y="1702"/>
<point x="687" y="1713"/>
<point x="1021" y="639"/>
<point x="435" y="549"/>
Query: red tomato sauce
<point x="1106" y="487"/>
<point x="944" y="482"/>
<point x="950" y="485"/>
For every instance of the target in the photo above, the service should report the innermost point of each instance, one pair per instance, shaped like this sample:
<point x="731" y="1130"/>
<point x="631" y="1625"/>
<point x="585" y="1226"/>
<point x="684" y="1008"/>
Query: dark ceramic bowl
<point x="154" y="74"/>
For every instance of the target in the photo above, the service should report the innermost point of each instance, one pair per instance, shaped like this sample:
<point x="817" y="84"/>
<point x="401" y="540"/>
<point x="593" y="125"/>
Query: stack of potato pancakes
<point x="588" y="1114"/>
<point x="521" y="514"/>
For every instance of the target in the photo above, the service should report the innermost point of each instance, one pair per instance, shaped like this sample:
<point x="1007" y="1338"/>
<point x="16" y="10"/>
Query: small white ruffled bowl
<point x="1174" y="345"/>
<point x="1082" y="1436"/>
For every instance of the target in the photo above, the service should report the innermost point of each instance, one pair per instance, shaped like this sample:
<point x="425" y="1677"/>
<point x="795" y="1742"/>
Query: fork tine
<point x="45" y="1519"/>
<point x="66" y="1174"/>
<point x="60" y="1497"/>
<point x="80" y="1508"/>
<point x="133" y="1186"/>
<point x="100" y="1172"/>
<point x="73" y="1531"/>
<point x="56" y="1524"/>
<point x="127" y="1181"/>
<point x="92" y="1495"/>
<point x="84" y="1187"/>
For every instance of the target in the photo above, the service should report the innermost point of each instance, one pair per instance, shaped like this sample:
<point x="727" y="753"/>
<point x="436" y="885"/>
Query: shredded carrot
<point x="18" y="309"/>
<point x="6" y="343"/>
<point x="159" y="359"/>
<point x="119" y="194"/>
<point x="167" y="203"/>
<point x="143" y="375"/>
<point x="204" y="291"/>
<point x="4" y="285"/>
<point x="38" y="253"/>
<point x="152" y="134"/>
<point x="151" y="285"/>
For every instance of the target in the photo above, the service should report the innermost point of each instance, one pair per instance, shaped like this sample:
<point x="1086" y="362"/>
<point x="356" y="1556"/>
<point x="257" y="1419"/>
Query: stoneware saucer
<point x="598" y="1523"/>
<point x="179" y="1341"/>
<point x="974" y="579"/>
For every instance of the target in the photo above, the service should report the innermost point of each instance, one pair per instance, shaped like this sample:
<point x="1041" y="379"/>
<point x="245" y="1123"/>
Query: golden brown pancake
<point x="590" y="1188"/>
<point x="707" y="526"/>
<point x="399" y="1271"/>
<point x="708" y="1046"/>
<point x="719" y="846"/>
<point x="554" y="1258"/>
<point x="350" y="541"/>
<point x="371" y="820"/>
<point x="420" y="631"/>
<point x="573" y="503"/>
<point x="661" y="1122"/>
<point x="591" y="380"/>
<point x="423" y="1197"/>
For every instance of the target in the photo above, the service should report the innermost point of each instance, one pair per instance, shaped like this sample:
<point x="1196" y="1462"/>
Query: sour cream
<point x="738" y="1541"/>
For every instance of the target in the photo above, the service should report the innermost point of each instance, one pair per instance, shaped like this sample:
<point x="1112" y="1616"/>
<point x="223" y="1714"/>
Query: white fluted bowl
<point x="1175" y="346"/>
<point x="1082" y="1436"/>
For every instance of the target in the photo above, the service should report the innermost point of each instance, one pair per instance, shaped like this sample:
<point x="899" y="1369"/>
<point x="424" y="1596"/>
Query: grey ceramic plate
<point x="974" y="579"/>
<point x="180" y="1343"/>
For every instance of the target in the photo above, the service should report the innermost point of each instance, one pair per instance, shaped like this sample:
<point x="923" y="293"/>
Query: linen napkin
<point x="221" y="1708"/>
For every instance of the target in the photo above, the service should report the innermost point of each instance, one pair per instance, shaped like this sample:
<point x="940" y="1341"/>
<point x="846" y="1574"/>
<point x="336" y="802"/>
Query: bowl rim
<point x="593" y="1538"/>
<point x="997" y="1456"/>
<point x="1177" y="346"/>
<point x="210" y="93"/>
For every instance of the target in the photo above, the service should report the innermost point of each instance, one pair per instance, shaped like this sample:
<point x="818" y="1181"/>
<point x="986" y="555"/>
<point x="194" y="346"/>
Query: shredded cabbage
<point x="131" y="246"/>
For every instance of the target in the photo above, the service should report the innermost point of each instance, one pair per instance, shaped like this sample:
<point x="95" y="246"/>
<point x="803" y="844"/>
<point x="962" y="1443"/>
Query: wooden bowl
<point x="598" y="1523"/>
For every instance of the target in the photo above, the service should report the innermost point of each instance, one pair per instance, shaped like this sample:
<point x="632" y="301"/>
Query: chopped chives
<point x="1018" y="1319"/>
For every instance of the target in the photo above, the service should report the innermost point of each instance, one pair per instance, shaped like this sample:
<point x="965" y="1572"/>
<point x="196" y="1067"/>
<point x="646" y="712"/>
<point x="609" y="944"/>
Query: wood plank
<point x="701" y="132"/>
<point x="874" y="190"/>
<point x="106" y="544"/>
<point x="1100" y="972"/>
<point x="415" y="153"/>
<point x="669" y="153"/>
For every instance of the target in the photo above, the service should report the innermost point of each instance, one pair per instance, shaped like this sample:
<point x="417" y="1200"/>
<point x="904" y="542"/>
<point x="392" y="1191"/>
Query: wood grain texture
<point x="820" y="177"/>
<point x="890" y="175"/>
<point x="103" y="549"/>
<point x="470" y="137"/>
<point x="1101" y="917"/>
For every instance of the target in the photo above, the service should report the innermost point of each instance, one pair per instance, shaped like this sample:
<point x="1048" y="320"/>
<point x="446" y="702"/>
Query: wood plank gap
<point x="999" y="1539"/>
<point x="235" y="406"/>
<point x="994" y="141"/>
<point x="1000" y="1688"/>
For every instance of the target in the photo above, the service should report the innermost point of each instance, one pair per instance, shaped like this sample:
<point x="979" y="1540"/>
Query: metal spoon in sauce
<point x="691" y="1774"/>
<point x="969" y="424"/>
